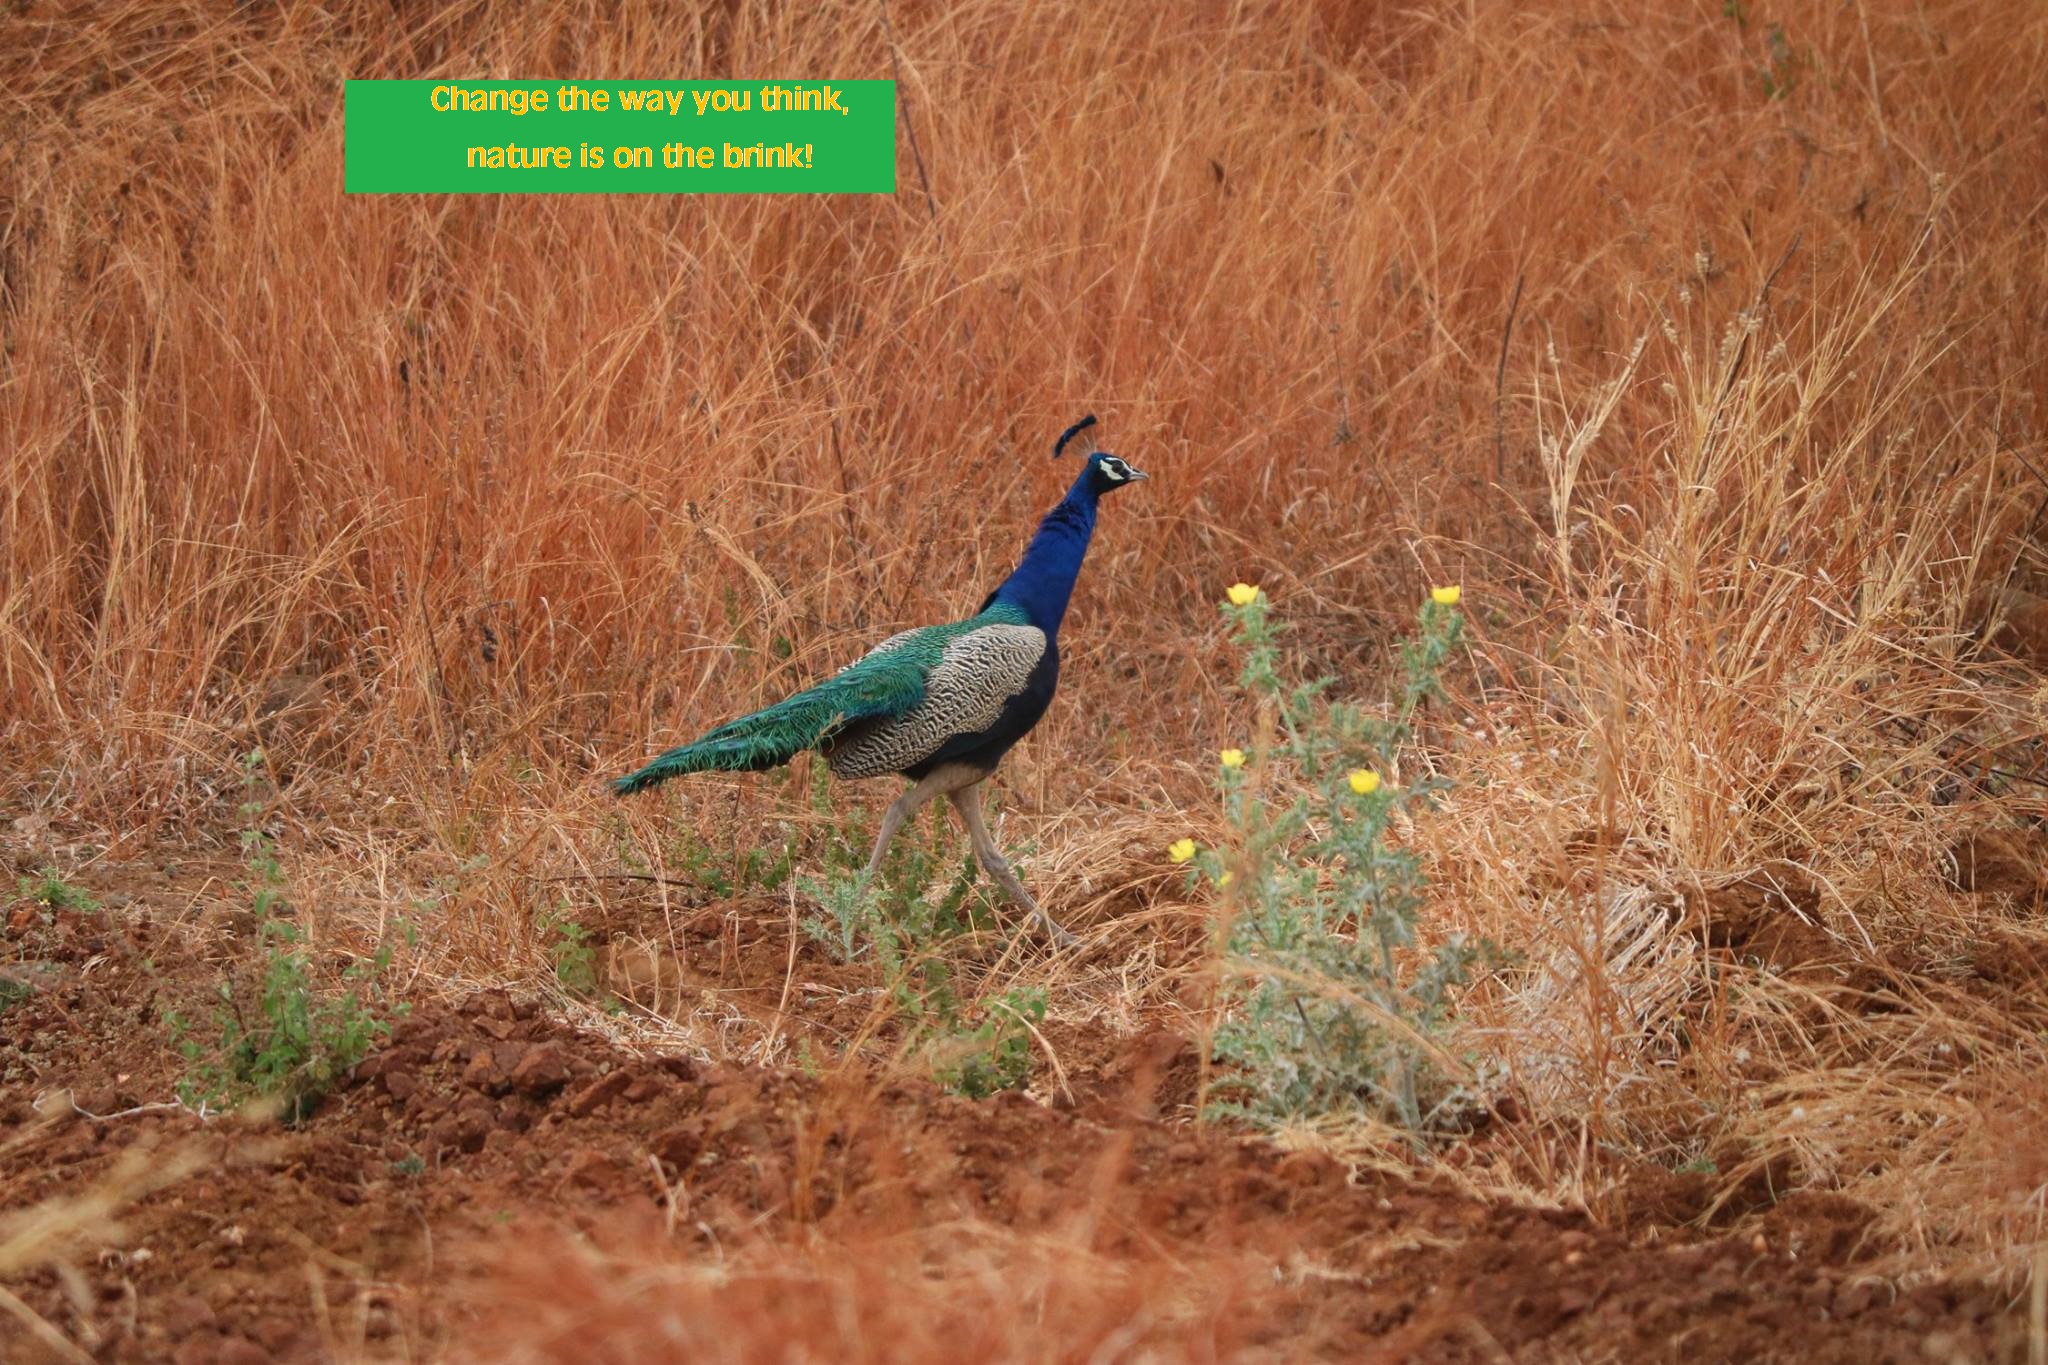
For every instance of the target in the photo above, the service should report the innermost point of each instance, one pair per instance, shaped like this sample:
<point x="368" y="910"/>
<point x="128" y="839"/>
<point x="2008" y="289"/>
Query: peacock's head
<point x="1105" y="471"/>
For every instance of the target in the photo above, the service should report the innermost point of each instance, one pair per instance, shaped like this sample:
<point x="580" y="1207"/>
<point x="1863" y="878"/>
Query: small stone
<point x="481" y="1070"/>
<point x="680" y="1145"/>
<point x="541" y="1071"/>
<point x="472" y="1124"/>
<point x="185" y="1314"/>
<point x="597" y="1094"/>
<point x="241" y="1351"/>
<point x="444" y="1135"/>
<point x="589" y="1168"/>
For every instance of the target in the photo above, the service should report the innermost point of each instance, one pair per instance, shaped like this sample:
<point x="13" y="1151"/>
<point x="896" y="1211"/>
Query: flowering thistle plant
<point x="1337" y="1005"/>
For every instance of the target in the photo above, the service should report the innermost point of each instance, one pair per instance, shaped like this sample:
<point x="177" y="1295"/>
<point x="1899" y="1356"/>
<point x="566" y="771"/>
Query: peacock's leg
<point x="905" y="806"/>
<point x="967" y="800"/>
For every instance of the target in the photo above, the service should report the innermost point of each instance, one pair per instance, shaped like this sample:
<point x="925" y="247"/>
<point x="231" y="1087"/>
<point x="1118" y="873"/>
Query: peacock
<point x="938" y="705"/>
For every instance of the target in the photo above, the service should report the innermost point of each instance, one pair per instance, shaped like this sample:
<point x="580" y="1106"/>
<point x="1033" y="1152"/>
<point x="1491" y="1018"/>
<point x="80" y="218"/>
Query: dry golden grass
<point x="945" y="1292"/>
<point x="1724" y="408"/>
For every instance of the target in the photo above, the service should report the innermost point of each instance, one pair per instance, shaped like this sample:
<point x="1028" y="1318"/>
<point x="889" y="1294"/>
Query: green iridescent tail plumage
<point x="771" y="737"/>
<point x="885" y="683"/>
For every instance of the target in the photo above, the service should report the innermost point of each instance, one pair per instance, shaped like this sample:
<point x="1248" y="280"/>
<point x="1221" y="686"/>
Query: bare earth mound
<point x="495" y="1186"/>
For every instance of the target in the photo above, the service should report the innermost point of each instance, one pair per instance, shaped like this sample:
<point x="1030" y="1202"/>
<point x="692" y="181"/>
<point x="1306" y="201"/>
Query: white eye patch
<point x="1115" y="469"/>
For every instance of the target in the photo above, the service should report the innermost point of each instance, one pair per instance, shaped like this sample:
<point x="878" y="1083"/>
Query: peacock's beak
<point x="1137" y="474"/>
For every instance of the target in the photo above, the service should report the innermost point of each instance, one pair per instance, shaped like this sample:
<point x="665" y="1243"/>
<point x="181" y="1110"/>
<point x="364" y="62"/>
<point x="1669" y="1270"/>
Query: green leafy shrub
<point x="906" y="919"/>
<point x="1336" y="1005"/>
<point x="282" y="1040"/>
<point x="290" y="1044"/>
<point x="573" y="954"/>
<point x="52" y="892"/>
<point x="689" y="856"/>
<point x="896" y="917"/>
<point x="996" y="1055"/>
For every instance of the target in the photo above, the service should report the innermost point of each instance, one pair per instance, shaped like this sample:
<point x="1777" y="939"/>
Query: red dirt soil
<point x="493" y="1185"/>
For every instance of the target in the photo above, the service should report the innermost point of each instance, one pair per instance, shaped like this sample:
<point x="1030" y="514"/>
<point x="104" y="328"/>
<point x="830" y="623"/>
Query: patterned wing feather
<point x="977" y="672"/>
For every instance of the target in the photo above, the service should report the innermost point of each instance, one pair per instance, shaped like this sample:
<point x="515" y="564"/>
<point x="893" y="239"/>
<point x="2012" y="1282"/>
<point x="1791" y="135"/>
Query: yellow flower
<point x="1180" y="850"/>
<point x="1446" y="597"/>
<point x="1364" y="781"/>
<point x="1233" y="758"/>
<point x="1242" y="594"/>
<point x="1224" y="880"/>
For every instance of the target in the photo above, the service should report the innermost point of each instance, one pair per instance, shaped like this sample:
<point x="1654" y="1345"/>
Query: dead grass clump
<point x="1763" y="675"/>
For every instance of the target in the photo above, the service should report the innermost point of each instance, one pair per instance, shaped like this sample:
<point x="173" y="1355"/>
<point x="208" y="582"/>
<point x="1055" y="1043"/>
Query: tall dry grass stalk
<point x="1715" y="373"/>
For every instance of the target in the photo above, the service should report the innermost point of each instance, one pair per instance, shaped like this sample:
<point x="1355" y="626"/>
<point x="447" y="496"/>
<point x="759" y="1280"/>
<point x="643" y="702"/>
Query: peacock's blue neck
<point x="1044" y="579"/>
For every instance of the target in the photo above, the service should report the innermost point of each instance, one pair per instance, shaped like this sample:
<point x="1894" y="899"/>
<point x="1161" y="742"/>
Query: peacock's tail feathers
<point x="888" y="681"/>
